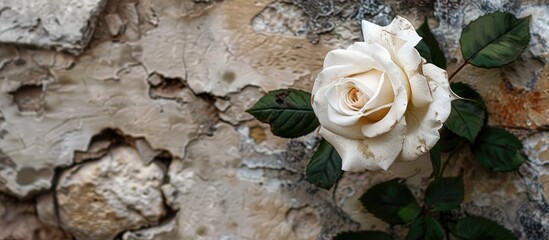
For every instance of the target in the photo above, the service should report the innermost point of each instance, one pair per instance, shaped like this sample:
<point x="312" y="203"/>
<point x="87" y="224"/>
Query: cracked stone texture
<point x="61" y="24"/>
<point x="18" y="220"/>
<point x="100" y="199"/>
<point x="162" y="88"/>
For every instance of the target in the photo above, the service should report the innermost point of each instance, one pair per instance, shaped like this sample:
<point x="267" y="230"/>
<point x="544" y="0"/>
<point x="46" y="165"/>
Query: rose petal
<point x="364" y="128"/>
<point x="334" y="96"/>
<point x="424" y="122"/>
<point x="369" y="154"/>
<point x="397" y="79"/>
<point x="321" y="108"/>
<point x="368" y="82"/>
<point x="342" y="63"/>
<point x="371" y="32"/>
<point x="400" y="38"/>
<point x="411" y="63"/>
<point x="383" y="94"/>
<point x="378" y="113"/>
<point x="420" y="91"/>
<point x="341" y="119"/>
<point x="394" y="115"/>
<point x="345" y="56"/>
<point x="392" y="37"/>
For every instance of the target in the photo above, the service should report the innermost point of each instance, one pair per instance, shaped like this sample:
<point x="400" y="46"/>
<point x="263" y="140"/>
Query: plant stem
<point x="335" y="189"/>
<point x="459" y="69"/>
<point x="450" y="157"/>
<point x="443" y="219"/>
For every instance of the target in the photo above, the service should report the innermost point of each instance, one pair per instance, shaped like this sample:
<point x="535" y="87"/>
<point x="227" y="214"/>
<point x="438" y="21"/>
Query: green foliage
<point x="444" y="194"/>
<point x="362" y="235"/>
<point x="468" y="115"/>
<point x="429" y="47"/>
<point x="324" y="169"/>
<point x="494" y="39"/>
<point x="464" y="90"/>
<point x="425" y="228"/>
<point x="288" y="111"/>
<point x="498" y="150"/>
<point x="466" y="119"/>
<point x="436" y="162"/>
<point x="391" y="201"/>
<point x="449" y="141"/>
<point x="478" y="228"/>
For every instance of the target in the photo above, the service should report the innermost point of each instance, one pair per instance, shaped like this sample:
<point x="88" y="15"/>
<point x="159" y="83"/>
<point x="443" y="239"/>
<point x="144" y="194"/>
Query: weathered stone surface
<point x="106" y="88"/>
<point x="235" y="111"/>
<point x="279" y="203"/>
<point x="46" y="209"/>
<point x="62" y="24"/>
<point x="18" y="220"/>
<point x="100" y="199"/>
<point x="171" y="80"/>
<point x="247" y="56"/>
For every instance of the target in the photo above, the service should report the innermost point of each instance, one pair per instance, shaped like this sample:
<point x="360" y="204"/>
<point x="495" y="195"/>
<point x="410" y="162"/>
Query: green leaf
<point x="288" y="111"/>
<point x="362" y="235"/>
<point x="429" y="47"/>
<point x="444" y="194"/>
<point x="498" y="150"/>
<point x="391" y="201"/>
<point x="479" y="228"/>
<point x="466" y="119"/>
<point x="425" y="228"/>
<point x="465" y="90"/>
<point x="468" y="115"/>
<point x="449" y="141"/>
<point x="494" y="39"/>
<point x="436" y="161"/>
<point x="324" y="169"/>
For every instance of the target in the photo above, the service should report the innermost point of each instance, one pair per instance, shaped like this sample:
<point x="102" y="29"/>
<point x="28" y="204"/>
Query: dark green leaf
<point x="464" y="90"/>
<point x="444" y="194"/>
<point x="479" y="228"/>
<point x="466" y="119"/>
<point x="324" y="169"/>
<point x="436" y="161"/>
<point x="468" y="115"/>
<point x="362" y="235"/>
<point x="449" y="141"/>
<point x="288" y="111"/>
<point x="498" y="150"/>
<point x="429" y="47"/>
<point x="425" y="228"/>
<point x="494" y="39"/>
<point x="391" y="201"/>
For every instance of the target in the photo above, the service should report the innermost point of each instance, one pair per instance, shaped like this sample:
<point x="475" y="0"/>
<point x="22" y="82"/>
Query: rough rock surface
<point x="100" y="199"/>
<point x="144" y="134"/>
<point x="62" y="24"/>
<point x="18" y="220"/>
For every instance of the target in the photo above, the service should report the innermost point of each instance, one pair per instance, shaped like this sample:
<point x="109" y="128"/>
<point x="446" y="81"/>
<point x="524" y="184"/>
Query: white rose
<point x="377" y="100"/>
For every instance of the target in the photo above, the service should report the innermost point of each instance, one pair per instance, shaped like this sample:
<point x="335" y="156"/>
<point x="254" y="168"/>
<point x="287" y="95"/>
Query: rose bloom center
<point x="368" y="93"/>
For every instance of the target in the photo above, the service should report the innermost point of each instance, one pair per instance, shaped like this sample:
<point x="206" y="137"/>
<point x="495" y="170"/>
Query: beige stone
<point x="62" y="25"/>
<point x="100" y="199"/>
<point x="106" y="83"/>
<point x="18" y="220"/>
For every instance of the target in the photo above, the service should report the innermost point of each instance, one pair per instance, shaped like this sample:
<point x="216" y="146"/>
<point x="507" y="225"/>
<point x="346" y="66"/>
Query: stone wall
<point x="125" y="118"/>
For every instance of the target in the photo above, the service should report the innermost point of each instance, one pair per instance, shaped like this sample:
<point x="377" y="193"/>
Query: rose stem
<point x="450" y="158"/>
<point x="459" y="69"/>
<point x="335" y="189"/>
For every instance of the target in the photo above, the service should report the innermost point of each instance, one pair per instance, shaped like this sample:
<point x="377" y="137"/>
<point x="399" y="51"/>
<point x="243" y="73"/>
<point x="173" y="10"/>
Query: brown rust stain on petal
<point x="365" y="150"/>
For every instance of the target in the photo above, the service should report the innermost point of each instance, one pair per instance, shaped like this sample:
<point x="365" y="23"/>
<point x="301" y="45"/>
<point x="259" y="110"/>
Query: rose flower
<point x="378" y="100"/>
